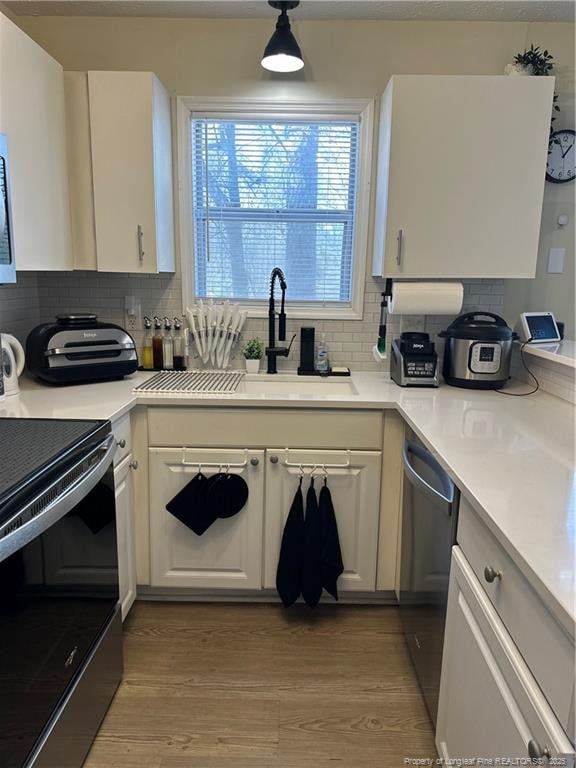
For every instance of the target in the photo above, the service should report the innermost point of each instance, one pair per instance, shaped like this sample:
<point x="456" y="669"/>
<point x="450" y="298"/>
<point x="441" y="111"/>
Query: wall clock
<point x="561" y="165"/>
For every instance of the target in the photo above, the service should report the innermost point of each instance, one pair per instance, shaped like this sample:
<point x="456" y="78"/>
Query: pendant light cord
<point x="528" y="371"/>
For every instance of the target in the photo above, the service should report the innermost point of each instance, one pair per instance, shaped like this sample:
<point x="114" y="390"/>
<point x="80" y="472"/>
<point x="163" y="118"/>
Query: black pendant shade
<point x="283" y="53"/>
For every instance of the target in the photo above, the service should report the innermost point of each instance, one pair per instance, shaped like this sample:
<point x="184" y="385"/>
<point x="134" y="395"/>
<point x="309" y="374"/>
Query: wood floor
<point x="255" y="686"/>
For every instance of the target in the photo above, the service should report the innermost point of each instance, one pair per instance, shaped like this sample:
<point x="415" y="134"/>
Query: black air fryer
<point x="78" y="348"/>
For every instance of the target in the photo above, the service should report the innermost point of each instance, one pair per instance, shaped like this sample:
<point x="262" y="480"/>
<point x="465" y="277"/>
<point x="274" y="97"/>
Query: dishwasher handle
<point x="448" y="494"/>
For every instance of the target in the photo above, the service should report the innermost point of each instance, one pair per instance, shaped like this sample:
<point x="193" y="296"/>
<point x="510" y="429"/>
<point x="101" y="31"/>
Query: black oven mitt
<point x="228" y="495"/>
<point x="97" y="509"/>
<point x="203" y="500"/>
<point x="188" y="505"/>
<point x="332" y="565"/>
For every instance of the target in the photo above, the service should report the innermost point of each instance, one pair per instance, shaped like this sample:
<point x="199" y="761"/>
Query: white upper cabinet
<point x="120" y="160"/>
<point x="32" y="118"/>
<point x="461" y="169"/>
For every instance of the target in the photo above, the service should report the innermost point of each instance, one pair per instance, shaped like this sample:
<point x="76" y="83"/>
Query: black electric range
<point x="34" y="450"/>
<point x="60" y="626"/>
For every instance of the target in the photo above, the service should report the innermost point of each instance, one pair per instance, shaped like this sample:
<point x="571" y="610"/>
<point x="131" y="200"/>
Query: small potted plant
<point x="252" y="351"/>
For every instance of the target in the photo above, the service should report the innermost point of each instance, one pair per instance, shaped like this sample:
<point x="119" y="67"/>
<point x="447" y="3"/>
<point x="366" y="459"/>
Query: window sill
<point x="297" y="312"/>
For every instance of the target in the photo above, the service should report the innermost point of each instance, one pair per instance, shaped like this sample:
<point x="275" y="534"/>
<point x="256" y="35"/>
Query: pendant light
<point x="282" y="53"/>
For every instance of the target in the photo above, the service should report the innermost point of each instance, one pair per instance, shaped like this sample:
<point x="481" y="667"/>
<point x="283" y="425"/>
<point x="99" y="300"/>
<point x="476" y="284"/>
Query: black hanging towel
<point x="332" y="565"/>
<point x="289" y="572"/>
<point x="312" y="569"/>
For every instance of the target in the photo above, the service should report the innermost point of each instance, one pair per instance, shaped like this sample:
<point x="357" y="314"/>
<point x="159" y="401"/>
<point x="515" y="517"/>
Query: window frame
<point x="319" y="109"/>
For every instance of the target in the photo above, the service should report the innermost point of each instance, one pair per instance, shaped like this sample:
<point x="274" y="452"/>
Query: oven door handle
<point x="23" y="534"/>
<point x="415" y="479"/>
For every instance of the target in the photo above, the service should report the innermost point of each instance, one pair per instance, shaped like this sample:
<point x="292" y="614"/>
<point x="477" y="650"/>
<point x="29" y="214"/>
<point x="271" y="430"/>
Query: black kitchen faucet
<point x="272" y="351"/>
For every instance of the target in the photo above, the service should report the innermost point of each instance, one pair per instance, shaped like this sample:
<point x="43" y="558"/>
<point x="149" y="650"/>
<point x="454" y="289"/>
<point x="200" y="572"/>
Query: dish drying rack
<point x="205" y="382"/>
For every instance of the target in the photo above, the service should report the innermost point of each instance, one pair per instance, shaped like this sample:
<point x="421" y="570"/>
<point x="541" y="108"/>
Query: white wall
<point x="553" y="292"/>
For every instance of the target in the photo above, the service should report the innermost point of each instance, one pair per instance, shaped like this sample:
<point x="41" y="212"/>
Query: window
<point x="280" y="188"/>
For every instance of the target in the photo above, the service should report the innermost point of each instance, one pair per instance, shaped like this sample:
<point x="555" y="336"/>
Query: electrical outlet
<point x="133" y="314"/>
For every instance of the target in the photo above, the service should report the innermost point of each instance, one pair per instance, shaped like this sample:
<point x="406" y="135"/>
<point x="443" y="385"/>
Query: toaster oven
<point x="78" y="348"/>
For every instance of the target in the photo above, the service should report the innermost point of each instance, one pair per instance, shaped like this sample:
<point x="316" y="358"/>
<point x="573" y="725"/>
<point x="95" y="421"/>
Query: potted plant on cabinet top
<point x="252" y="351"/>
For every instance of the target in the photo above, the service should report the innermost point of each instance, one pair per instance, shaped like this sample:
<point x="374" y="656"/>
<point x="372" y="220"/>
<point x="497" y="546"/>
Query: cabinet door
<point x="229" y="554"/>
<point x="461" y="170"/>
<point x="32" y="117"/>
<point x="121" y="113"/>
<point x="123" y="488"/>
<point x="490" y="706"/>
<point x="356" y="497"/>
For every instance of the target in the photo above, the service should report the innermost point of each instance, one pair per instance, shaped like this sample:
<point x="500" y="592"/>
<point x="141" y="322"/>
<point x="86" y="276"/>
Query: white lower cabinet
<point x="229" y="554"/>
<point x="356" y="497"/>
<point x="490" y="705"/>
<point x="124" y="492"/>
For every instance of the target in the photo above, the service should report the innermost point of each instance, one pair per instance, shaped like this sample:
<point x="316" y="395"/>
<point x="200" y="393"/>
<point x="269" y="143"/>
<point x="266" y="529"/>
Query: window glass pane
<point x="274" y="193"/>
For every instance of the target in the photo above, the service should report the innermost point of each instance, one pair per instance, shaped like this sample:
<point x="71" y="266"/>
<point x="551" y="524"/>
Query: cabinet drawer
<point x="123" y="435"/>
<point x="490" y="705"/>
<point x="546" y="648"/>
<point x="243" y="428"/>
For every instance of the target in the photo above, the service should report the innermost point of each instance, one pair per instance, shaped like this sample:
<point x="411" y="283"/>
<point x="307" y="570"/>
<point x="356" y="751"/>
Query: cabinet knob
<point x="491" y="574"/>
<point x="254" y="461"/>
<point x="273" y="459"/>
<point x="121" y="443"/>
<point x="133" y="464"/>
<point x="537" y="752"/>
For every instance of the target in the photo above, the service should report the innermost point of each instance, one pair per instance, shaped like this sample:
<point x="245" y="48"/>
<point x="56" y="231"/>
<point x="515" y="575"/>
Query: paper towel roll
<point x="426" y="299"/>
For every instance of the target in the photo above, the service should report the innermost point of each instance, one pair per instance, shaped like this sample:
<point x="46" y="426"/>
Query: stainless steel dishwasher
<point x="429" y="518"/>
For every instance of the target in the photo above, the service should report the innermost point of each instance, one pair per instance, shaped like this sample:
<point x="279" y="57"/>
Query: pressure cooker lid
<point x="481" y="326"/>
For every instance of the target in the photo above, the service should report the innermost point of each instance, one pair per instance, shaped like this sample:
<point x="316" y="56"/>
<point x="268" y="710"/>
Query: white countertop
<point x="513" y="457"/>
<point x="561" y="352"/>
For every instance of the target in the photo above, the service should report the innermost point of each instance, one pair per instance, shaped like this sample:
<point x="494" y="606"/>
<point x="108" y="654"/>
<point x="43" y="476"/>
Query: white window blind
<point x="272" y="192"/>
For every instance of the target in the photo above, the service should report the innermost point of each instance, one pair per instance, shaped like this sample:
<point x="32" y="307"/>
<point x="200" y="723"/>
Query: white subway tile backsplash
<point x="38" y="297"/>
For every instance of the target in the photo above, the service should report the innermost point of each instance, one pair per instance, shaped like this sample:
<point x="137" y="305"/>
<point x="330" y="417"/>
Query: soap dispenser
<point x="322" y="362"/>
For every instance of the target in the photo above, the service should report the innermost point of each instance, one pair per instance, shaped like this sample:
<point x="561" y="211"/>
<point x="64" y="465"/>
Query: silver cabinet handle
<point x="537" y="752"/>
<point x="121" y="443"/>
<point x="273" y="459"/>
<point x="491" y="574"/>
<point x="140" y="244"/>
<point x="133" y="464"/>
<point x="400" y="240"/>
<point x="254" y="461"/>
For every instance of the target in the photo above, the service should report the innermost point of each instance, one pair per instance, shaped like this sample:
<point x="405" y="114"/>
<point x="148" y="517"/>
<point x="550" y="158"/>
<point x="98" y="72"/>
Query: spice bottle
<point x="179" y="350"/>
<point x="147" y="357"/>
<point x="168" y="346"/>
<point x="157" y="357"/>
